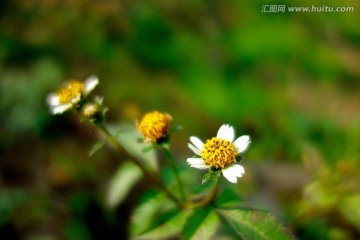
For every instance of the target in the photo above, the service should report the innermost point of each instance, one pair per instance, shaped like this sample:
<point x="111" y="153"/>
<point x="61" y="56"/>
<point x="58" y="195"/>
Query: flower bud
<point x="92" y="112"/>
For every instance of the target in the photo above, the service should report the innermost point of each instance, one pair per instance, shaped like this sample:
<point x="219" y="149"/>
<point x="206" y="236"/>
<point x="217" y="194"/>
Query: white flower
<point x="220" y="152"/>
<point x="70" y="94"/>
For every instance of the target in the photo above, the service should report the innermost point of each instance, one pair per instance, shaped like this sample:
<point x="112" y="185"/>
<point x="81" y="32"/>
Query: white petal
<point x="90" y="83"/>
<point x="242" y="143"/>
<point x="52" y="99"/>
<point x="232" y="172"/>
<point x="76" y="99"/>
<point x="61" y="108"/>
<point x="200" y="166"/>
<point x="194" y="149"/>
<point x="226" y="132"/>
<point x="237" y="170"/>
<point x="229" y="175"/>
<point x="197" y="143"/>
<point x="196" y="161"/>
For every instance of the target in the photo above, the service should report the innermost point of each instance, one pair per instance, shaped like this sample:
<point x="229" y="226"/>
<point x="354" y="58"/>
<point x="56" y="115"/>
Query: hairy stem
<point x="211" y="197"/>
<point x="170" y="160"/>
<point x="147" y="173"/>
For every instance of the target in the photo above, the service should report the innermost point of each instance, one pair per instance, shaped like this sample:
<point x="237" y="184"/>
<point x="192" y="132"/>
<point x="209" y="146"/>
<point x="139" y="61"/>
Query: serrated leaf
<point x="144" y="215"/>
<point x="168" y="229"/>
<point x="124" y="179"/>
<point x="202" y="224"/>
<point x="97" y="146"/>
<point x="255" y="224"/>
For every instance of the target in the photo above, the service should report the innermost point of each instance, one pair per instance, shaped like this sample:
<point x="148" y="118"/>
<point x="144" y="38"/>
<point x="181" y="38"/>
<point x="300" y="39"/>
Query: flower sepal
<point x="147" y="148"/>
<point x="238" y="158"/>
<point x="213" y="172"/>
<point x="164" y="142"/>
<point x="175" y="128"/>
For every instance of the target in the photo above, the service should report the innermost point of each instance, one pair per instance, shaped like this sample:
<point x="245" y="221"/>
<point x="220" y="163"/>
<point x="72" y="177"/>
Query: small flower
<point x="91" y="112"/>
<point x="220" y="153"/>
<point x="70" y="94"/>
<point x="154" y="126"/>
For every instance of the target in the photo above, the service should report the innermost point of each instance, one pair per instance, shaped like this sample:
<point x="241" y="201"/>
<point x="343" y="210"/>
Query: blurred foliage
<point x="290" y="80"/>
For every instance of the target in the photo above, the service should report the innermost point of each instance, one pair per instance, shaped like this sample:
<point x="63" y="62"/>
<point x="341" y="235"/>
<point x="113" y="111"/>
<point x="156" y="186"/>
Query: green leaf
<point x="168" y="229"/>
<point x="228" y="197"/>
<point x="10" y="200"/>
<point x="207" y="176"/>
<point x="202" y="224"/>
<point x="140" y="140"/>
<point x="350" y="207"/>
<point x="99" y="100"/>
<point x="120" y="185"/>
<point x="255" y="224"/>
<point x="146" y="213"/>
<point x="147" y="149"/>
<point x="97" y="146"/>
<point x="129" y="140"/>
<point x="176" y="128"/>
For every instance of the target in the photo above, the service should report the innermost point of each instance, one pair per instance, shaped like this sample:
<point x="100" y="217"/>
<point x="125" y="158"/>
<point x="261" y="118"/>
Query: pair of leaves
<point x="200" y="224"/>
<point x="203" y="223"/>
<point x="168" y="229"/>
<point x="189" y="224"/>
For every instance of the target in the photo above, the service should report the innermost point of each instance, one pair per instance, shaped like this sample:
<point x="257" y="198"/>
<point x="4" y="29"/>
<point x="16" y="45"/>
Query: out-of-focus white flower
<point x="220" y="153"/>
<point x="70" y="94"/>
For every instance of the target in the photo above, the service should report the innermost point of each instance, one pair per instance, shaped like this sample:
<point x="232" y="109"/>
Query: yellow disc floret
<point x="154" y="125"/>
<point x="70" y="92"/>
<point x="91" y="111"/>
<point x="218" y="152"/>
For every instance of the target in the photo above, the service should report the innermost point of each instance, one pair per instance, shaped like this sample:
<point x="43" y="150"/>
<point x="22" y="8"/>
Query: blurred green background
<point x="290" y="80"/>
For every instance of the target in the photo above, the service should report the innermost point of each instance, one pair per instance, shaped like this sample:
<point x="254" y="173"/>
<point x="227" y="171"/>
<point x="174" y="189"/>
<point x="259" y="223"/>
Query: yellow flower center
<point x="154" y="125"/>
<point x="70" y="91"/>
<point x="218" y="153"/>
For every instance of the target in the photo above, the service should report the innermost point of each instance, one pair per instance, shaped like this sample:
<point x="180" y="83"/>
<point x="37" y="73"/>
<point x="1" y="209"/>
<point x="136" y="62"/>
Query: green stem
<point x="170" y="160"/>
<point x="211" y="197"/>
<point x="148" y="173"/>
